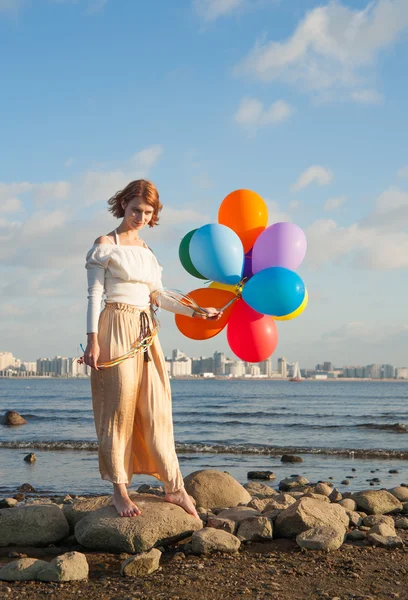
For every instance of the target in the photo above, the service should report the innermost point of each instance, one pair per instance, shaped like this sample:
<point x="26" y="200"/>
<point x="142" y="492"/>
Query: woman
<point x="132" y="401"/>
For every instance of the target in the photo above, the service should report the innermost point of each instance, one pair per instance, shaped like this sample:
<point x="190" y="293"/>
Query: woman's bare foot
<point x="181" y="498"/>
<point x="122" y="502"/>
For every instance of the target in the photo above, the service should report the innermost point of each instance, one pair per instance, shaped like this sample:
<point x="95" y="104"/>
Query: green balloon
<point x="184" y="254"/>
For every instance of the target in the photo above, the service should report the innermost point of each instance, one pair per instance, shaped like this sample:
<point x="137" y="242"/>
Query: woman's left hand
<point x="212" y="313"/>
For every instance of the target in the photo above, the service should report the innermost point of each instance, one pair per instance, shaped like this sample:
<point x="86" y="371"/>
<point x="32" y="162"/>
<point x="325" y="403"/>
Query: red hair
<point x="141" y="188"/>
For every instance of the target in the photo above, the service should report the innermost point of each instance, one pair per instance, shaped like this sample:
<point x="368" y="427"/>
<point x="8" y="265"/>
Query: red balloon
<point x="251" y="335"/>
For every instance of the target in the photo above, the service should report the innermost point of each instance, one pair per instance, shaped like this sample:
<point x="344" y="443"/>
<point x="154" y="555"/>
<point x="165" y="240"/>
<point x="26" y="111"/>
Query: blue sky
<point x="302" y="101"/>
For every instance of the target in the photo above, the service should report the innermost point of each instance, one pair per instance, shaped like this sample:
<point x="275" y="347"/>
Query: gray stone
<point x="293" y="482"/>
<point x="259" y="504"/>
<point x="356" y="535"/>
<point x="400" y="492"/>
<point x="23" y="569"/>
<point x="160" y="523"/>
<point x="321" y="538"/>
<point x="385" y="542"/>
<point x="308" y="513"/>
<point x="259" y="490"/>
<point x="71" y="566"/>
<point x="384" y="528"/>
<point x="401" y="523"/>
<point x="225" y="524"/>
<point x="36" y="525"/>
<point x="280" y="502"/>
<point x="255" y="529"/>
<point x="354" y="518"/>
<point x="371" y="520"/>
<point x="261" y="475"/>
<point x="335" y="496"/>
<point x="141" y="564"/>
<point x="215" y="489"/>
<point x="210" y="540"/>
<point x="239" y="513"/>
<point x="377" y="502"/>
<point x="84" y="507"/>
<point x="291" y="458"/>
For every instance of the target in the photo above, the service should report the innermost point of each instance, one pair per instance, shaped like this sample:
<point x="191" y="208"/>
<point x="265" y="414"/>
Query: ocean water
<point x="234" y="426"/>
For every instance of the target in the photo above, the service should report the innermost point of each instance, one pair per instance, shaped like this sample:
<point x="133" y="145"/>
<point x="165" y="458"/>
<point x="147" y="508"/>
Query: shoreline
<point x="222" y="378"/>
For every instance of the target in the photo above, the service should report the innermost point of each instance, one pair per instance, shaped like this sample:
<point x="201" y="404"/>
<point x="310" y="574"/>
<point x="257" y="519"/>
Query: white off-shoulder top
<point x="125" y="274"/>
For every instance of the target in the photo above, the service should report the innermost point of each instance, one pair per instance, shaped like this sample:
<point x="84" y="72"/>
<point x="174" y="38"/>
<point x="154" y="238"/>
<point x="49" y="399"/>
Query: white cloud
<point x="10" y="205"/>
<point x="314" y="174"/>
<point x="275" y="214"/>
<point x="251" y="112"/>
<point x="334" y="47"/>
<point x="294" y="204"/>
<point x="367" y="97"/>
<point x="69" y="162"/>
<point x="147" y="158"/>
<point x="210" y="10"/>
<point x="334" y="202"/>
<point x="390" y="212"/>
<point x="403" y="172"/>
<point x="96" y="6"/>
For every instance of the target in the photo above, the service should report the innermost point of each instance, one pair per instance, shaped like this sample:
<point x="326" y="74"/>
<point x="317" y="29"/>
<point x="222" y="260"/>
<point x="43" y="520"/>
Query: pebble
<point x="345" y="482"/>
<point x="394" y="471"/>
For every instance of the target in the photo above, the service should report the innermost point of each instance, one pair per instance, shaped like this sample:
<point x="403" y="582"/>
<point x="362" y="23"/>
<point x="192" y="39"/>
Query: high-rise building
<point x="283" y="367"/>
<point x="374" y="371"/>
<point x="402" y="373"/>
<point x="235" y="368"/>
<point x="219" y="363"/>
<point x="266" y="367"/>
<point x="327" y="366"/>
<point x="388" y="371"/>
<point x="6" y="360"/>
<point x="181" y="367"/>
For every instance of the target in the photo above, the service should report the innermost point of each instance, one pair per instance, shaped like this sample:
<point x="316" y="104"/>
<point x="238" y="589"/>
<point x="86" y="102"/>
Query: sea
<point x="354" y="430"/>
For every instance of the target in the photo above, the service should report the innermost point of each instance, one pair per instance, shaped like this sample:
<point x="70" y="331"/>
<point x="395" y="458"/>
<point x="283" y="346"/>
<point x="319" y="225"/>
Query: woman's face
<point x="138" y="213"/>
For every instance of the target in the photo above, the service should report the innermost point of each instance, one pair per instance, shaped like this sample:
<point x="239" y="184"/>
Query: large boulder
<point x="296" y="482"/>
<point x="23" y="569"/>
<point x="215" y="489"/>
<point x="321" y="538"/>
<point x="259" y="490"/>
<point x="377" y="502"/>
<point x="210" y="540"/>
<point x="160" y="523"/>
<point x="400" y="492"/>
<point x="81" y="508"/>
<point x="32" y="525"/>
<point x="71" y="566"/>
<point x="255" y="529"/>
<point x="308" y="513"/>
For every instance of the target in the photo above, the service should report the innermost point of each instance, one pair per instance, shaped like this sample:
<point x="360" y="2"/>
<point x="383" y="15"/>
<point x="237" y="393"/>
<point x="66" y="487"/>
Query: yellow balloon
<point x="296" y="312"/>
<point x="223" y="286"/>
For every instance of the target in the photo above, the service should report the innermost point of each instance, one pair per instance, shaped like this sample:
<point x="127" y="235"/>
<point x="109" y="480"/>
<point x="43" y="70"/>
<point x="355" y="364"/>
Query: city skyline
<point x="222" y="97"/>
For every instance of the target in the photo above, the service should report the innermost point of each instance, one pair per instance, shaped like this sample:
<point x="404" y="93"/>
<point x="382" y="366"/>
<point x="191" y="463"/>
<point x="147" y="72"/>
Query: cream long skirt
<point x="132" y="404"/>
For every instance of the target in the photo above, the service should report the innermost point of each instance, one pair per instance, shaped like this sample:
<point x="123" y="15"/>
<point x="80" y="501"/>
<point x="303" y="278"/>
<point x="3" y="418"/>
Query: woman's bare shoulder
<point x="104" y="239"/>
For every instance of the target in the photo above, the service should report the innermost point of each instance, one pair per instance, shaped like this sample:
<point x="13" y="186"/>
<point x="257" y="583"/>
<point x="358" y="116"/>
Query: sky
<point x="301" y="101"/>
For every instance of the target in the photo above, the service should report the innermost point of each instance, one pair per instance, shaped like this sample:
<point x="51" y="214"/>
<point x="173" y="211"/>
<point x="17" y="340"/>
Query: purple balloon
<point x="280" y="245"/>
<point x="248" y="265"/>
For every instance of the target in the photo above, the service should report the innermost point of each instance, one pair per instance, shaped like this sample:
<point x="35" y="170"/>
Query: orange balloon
<point x="204" y="329"/>
<point x="246" y="213"/>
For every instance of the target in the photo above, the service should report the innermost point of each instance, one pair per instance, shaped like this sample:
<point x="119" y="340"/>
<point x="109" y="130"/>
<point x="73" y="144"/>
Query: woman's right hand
<point x="92" y="352"/>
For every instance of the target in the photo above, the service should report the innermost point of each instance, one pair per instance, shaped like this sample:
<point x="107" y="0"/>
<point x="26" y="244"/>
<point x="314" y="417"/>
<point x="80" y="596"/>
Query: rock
<point x="35" y="525"/>
<point x="371" y="520"/>
<point x="384" y="528"/>
<point x="345" y="482"/>
<point x="354" y="518"/>
<point x="272" y="514"/>
<point x="260" y="490"/>
<point x="348" y="504"/>
<point x="81" y="508"/>
<point x="23" y="569"/>
<point x="292" y="482"/>
<point x="291" y="458"/>
<point x="8" y="502"/>
<point x="400" y="492"/>
<point x="160" y="523"/>
<point x="356" y="535"/>
<point x="393" y="471"/>
<point x="239" y="513"/>
<point x="27" y="487"/>
<point x="30" y="457"/>
<point x="214" y="489"/>
<point x="157" y="490"/>
<point x="401" y="523"/>
<point x="321" y="497"/>
<point x="335" y="496"/>
<point x="71" y="566"/>
<point x="225" y="524"/>
<point x="377" y="502"/>
<point x="321" y="538"/>
<point x="11" y="417"/>
<point x="261" y="475"/>
<point x="323" y="489"/>
<point x="255" y="529"/>
<point x="210" y="540"/>
<point x="259" y="504"/>
<point x="386" y="542"/>
<point x="308" y="513"/>
<point x="405" y="508"/>
<point x="141" y="564"/>
<point x="280" y="502"/>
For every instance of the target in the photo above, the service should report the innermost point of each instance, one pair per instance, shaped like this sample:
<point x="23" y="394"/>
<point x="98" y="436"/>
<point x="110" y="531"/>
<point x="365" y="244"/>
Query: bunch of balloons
<point x="250" y="267"/>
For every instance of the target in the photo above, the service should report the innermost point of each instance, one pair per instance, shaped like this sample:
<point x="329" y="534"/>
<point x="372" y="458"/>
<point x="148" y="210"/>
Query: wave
<point x="218" y="448"/>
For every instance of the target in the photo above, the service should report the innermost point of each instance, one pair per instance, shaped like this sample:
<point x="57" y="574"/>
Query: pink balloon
<point x="252" y="336"/>
<point x="279" y="245"/>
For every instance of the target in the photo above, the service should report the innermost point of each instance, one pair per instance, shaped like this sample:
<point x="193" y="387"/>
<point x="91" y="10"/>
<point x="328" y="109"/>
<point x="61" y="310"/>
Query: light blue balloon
<point x="275" y="291"/>
<point x="217" y="253"/>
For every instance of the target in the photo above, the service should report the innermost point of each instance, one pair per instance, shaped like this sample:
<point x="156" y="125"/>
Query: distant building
<point x="388" y="371"/>
<point x="235" y="368"/>
<point x="402" y="373"/>
<point x="219" y="363"/>
<point x="374" y="371"/>
<point x="283" y="367"/>
<point x="202" y="365"/>
<point x="7" y="360"/>
<point x="328" y="366"/>
<point x="266" y="367"/>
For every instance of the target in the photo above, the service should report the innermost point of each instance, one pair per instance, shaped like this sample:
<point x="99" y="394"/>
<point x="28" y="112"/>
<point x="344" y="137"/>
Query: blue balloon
<point x="217" y="253"/>
<point x="275" y="291"/>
